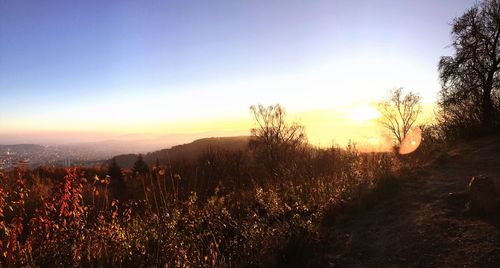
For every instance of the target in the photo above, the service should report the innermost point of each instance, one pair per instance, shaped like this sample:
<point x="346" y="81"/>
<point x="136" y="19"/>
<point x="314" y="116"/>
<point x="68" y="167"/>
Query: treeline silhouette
<point x="470" y="96"/>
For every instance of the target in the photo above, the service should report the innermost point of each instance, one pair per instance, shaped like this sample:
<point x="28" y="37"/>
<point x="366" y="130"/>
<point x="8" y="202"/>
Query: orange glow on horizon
<point x="364" y="113"/>
<point x="324" y="127"/>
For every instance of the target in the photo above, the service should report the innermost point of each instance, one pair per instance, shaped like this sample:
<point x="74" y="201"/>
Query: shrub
<point x="174" y="223"/>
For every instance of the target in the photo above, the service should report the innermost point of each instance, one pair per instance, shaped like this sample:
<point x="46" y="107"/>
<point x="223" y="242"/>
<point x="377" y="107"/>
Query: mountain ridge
<point x="186" y="151"/>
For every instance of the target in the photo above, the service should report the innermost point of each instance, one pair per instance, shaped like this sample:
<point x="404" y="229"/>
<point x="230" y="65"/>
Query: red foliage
<point x="11" y="229"/>
<point x="62" y="219"/>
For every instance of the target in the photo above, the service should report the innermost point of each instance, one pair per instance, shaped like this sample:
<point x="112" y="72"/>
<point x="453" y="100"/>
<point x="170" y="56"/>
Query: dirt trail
<point x="420" y="226"/>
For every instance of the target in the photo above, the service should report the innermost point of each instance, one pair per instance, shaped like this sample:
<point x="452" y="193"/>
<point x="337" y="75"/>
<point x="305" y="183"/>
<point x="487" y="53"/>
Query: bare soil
<point x="421" y="224"/>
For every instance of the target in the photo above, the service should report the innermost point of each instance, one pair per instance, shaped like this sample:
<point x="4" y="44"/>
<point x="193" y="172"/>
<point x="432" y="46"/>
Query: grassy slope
<point x="419" y="226"/>
<point x="188" y="151"/>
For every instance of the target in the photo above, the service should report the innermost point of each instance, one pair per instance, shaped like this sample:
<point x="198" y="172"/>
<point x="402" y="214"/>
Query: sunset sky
<point x="90" y="70"/>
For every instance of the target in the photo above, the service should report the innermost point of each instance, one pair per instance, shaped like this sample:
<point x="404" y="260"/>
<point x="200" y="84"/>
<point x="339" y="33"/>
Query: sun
<point x="363" y="113"/>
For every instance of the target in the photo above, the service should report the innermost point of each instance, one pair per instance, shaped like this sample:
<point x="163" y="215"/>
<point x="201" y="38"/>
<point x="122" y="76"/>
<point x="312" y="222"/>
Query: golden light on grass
<point x="411" y="142"/>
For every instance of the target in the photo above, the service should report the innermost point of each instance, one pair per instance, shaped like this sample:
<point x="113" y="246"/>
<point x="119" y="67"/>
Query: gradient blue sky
<point x="124" y="67"/>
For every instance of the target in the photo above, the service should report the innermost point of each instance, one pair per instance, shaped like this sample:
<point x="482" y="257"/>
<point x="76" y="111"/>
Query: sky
<point x="90" y="70"/>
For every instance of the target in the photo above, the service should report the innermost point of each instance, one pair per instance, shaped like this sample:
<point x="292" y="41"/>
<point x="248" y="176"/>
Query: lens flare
<point x="411" y="142"/>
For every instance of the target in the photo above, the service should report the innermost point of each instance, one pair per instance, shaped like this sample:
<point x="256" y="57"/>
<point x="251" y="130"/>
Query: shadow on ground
<point x="420" y="224"/>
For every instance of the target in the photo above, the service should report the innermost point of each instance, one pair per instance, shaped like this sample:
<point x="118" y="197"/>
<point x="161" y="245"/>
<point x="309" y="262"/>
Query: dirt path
<point x="421" y="226"/>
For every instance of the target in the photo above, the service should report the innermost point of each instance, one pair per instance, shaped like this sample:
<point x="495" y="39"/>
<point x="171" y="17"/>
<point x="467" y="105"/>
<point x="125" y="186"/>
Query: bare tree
<point x="472" y="74"/>
<point x="400" y="112"/>
<point x="274" y="140"/>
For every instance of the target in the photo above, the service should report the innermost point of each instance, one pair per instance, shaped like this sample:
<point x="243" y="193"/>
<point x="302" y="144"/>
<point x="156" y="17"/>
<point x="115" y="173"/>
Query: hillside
<point x="420" y="225"/>
<point x="187" y="151"/>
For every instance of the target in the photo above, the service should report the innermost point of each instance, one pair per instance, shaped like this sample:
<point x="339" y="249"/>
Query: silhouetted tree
<point x="140" y="167"/>
<point x="400" y="112"/>
<point x="275" y="141"/>
<point x="471" y="76"/>
<point x="117" y="183"/>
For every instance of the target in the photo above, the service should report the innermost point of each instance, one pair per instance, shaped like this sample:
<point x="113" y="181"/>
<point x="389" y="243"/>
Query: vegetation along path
<point x="421" y="224"/>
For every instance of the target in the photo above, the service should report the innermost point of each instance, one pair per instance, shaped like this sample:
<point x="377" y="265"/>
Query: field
<point x="79" y="216"/>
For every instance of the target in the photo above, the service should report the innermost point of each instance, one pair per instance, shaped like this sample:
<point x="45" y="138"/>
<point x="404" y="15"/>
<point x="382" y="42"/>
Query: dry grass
<point x="267" y="224"/>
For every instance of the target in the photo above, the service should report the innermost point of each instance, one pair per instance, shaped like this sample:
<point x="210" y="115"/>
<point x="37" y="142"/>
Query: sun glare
<point x="364" y="113"/>
<point x="374" y="140"/>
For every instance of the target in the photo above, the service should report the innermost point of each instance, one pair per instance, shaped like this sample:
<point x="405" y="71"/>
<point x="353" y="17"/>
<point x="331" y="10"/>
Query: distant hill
<point x="187" y="151"/>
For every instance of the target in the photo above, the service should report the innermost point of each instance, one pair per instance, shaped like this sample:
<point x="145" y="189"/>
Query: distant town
<point x="33" y="155"/>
